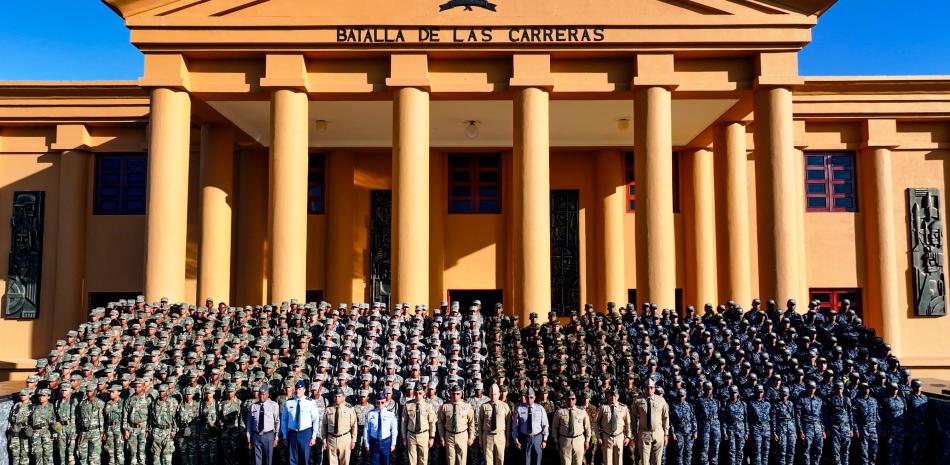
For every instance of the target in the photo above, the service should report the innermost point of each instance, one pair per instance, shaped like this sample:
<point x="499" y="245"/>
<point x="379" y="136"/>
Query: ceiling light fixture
<point x="320" y="125"/>
<point x="471" y="129"/>
<point x="623" y="124"/>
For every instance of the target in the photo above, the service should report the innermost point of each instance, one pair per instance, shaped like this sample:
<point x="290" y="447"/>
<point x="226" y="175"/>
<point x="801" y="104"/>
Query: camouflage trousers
<point x="233" y="445"/>
<point x="893" y="445"/>
<point x="840" y="442"/>
<point x="115" y="452"/>
<point x="735" y="442"/>
<point x="187" y="448"/>
<point x="812" y="445"/>
<point x="89" y="447"/>
<point x="710" y="436"/>
<point x="66" y="446"/>
<point x="785" y="447"/>
<point x="137" y="446"/>
<point x="867" y="445"/>
<point x="19" y="450"/>
<point x="163" y="446"/>
<point x="208" y="446"/>
<point x="760" y="441"/>
<point x="682" y="448"/>
<point x="42" y="446"/>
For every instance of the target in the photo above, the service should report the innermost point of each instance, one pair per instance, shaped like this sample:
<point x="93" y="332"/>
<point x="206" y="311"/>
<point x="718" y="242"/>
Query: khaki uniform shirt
<point x="660" y="415"/>
<point x="581" y="426"/>
<point x="622" y="415"/>
<point x="426" y="423"/>
<point x="347" y="422"/>
<point x="465" y="420"/>
<point x="502" y="418"/>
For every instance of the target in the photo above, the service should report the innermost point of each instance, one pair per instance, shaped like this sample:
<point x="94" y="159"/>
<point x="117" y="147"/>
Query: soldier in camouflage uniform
<point x="42" y="417"/>
<point x="710" y="430"/>
<point x="19" y="422"/>
<point x="164" y="425"/>
<point x="112" y="417"/>
<point x="783" y="428"/>
<point x="840" y="424"/>
<point x="866" y="421"/>
<point x="917" y="422"/>
<point x="232" y="427"/>
<point x="65" y="408"/>
<point x="362" y="408"/>
<point x="735" y="424"/>
<point x="209" y="427"/>
<point x="760" y="427"/>
<point x="90" y="427"/>
<point x="135" y="423"/>
<point x="683" y="429"/>
<point x="894" y="423"/>
<point x="811" y="430"/>
<point x="187" y="437"/>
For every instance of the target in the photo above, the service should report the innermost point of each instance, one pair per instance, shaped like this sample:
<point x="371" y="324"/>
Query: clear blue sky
<point x="83" y="39"/>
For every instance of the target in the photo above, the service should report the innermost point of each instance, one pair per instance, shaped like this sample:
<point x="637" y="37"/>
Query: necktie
<point x="336" y="420"/>
<point x="530" y="422"/>
<point x="613" y="420"/>
<point x="379" y="424"/>
<point x="494" y="419"/>
<point x="297" y="416"/>
<point x="260" y="419"/>
<point x="455" y="418"/>
<point x="418" y="416"/>
<point x="649" y="414"/>
<point x="570" y="422"/>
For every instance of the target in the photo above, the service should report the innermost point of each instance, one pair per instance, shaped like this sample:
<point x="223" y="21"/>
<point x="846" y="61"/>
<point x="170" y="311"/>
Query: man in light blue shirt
<point x="299" y="425"/>
<point x="380" y="432"/>
<point x="529" y="429"/>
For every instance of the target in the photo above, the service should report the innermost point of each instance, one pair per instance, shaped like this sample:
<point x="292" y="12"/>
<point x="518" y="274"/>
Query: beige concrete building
<point x="543" y="154"/>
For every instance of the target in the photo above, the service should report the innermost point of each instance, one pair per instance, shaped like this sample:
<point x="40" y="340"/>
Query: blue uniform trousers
<point x="379" y="450"/>
<point x="263" y="445"/>
<point x="299" y="444"/>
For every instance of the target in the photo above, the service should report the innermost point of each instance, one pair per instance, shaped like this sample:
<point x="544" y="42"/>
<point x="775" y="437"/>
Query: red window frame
<point x="316" y="184"/>
<point x="630" y="188"/>
<point x="830" y="182"/>
<point x="831" y="297"/>
<point x="471" y="179"/>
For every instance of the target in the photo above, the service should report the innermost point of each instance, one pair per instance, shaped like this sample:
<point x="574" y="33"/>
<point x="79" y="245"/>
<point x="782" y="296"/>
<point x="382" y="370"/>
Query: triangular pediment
<point x="470" y="12"/>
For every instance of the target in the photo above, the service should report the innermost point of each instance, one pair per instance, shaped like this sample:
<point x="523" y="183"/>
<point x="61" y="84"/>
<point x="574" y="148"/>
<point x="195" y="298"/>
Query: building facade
<point x="541" y="154"/>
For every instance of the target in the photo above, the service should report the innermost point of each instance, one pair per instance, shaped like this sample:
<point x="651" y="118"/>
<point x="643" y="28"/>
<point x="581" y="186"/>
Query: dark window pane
<point x="488" y="161"/>
<point x="137" y="164"/>
<point x="136" y="178"/>
<point x="816" y="188"/>
<point x="632" y="206"/>
<point x="461" y="191"/>
<point x="460" y="162"/>
<point x="846" y="203"/>
<point x="816" y="175"/>
<point x="846" y="188"/>
<point x="815" y="160"/>
<point x="110" y="163"/>
<point x="488" y="192"/>
<point x="488" y="176"/>
<point x="461" y="206"/>
<point x="841" y="160"/>
<point x="817" y="202"/>
<point x="461" y="176"/>
<point x="842" y="175"/>
<point x="488" y="206"/>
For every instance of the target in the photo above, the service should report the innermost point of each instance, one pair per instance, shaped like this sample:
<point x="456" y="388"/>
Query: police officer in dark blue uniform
<point x="707" y="419"/>
<point x="683" y="424"/>
<point x="840" y="424"/>
<point x="760" y="426"/>
<point x="735" y="424"/>
<point x="866" y="422"/>
<point x="811" y="431"/>
<point x="783" y="428"/>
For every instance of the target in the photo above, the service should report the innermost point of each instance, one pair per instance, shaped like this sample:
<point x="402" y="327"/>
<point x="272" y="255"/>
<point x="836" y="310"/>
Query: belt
<point x="495" y="432"/>
<point x="613" y="435"/>
<point x="570" y="437"/>
<point x="458" y="432"/>
<point x="420" y="432"/>
<point x="340" y="435"/>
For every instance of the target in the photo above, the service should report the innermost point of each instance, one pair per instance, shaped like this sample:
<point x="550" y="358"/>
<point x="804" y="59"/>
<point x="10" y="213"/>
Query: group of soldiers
<point x="163" y="383"/>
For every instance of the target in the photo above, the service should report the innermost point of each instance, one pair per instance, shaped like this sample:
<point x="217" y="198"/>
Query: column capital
<point x="71" y="137"/>
<point x="286" y="71"/>
<point x="654" y="70"/>
<point x="531" y="70"/>
<point x="409" y="70"/>
<point x="879" y="134"/>
<point x="777" y="69"/>
<point x="166" y="70"/>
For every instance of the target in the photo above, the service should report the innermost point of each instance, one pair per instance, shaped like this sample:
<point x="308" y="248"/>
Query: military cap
<point x="162" y="387"/>
<point x="916" y="383"/>
<point x="24" y="393"/>
<point x="811" y="385"/>
<point x="363" y="393"/>
<point x="115" y="387"/>
<point x="682" y="393"/>
<point x="759" y="388"/>
<point x="32" y="379"/>
<point x="733" y="389"/>
<point x="44" y="392"/>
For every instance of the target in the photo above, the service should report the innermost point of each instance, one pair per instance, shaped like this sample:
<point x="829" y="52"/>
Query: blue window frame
<point x="475" y="183"/>
<point x="316" y="184"/>
<point x="830" y="182"/>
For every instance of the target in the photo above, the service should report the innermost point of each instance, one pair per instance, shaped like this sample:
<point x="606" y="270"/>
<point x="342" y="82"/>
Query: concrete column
<point x="71" y="239"/>
<point x="532" y="192"/>
<point x="610" y="195"/>
<point x="217" y="194"/>
<point x="704" y="277"/>
<point x="288" y="194"/>
<point x="779" y="212"/>
<point x="656" y="256"/>
<point x="882" y="245"/>
<point x="339" y="246"/>
<point x="167" y="202"/>
<point x="410" y="195"/>
<point x="732" y="136"/>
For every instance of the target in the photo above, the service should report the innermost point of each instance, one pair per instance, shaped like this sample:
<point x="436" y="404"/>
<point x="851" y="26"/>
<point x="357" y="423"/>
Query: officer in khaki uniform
<point x="572" y="431"/>
<point x="493" y="428"/>
<point x="456" y="425"/>
<point x="418" y="428"/>
<point x="652" y="416"/>
<point x="339" y="430"/>
<point x="613" y="429"/>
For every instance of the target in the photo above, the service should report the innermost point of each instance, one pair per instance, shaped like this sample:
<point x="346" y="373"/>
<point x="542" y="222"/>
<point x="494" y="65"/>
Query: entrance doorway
<point x="565" y="254"/>
<point x="488" y="298"/>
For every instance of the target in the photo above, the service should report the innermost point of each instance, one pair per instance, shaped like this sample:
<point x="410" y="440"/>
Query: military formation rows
<point x="174" y="384"/>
